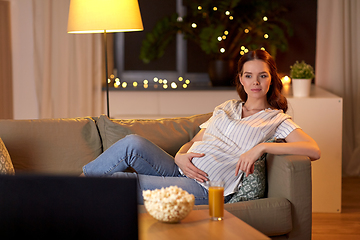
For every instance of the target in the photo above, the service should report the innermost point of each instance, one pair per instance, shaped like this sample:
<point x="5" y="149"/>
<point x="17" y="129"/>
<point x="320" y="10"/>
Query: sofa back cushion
<point x="168" y="133"/>
<point x="51" y="146"/>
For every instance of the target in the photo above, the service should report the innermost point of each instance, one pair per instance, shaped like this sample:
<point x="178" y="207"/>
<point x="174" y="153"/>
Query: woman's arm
<point x="297" y="143"/>
<point x="183" y="159"/>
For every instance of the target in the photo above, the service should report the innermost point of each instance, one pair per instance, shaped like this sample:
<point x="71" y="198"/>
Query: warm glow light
<point x="224" y="37"/>
<point x="199" y="7"/>
<point x="184" y="85"/>
<point x="135" y="84"/>
<point x="165" y="81"/>
<point x="165" y="86"/>
<point x="226" y="32"/>
<point x="187" y="81"/>
<point x="231" y="18"/>
<point x="242" y="47"/>
<point x="266" y="36"/>
<point x="117" y="83"/>
<point x="222" y="50"/>
<point x="246" y="30"/>
<point x="242" y="53"/>
<point x="180" y="79"/>
<point x="193" y="25"/>
<point x="215" y="8"/>
<point x="227" y="13"/>
<point x="94" y="16"/>
<point x="124" y="84"/>
<point x="219" y="38"/>
<point x="265" y="18"/>
<point x="286" y="80"/>
<point x="286" y="84"/>
<point x="145" y="81"/>
<point x="173" y="85"/>
<point x="155" y="79"/>
<point x="262" y="48"/>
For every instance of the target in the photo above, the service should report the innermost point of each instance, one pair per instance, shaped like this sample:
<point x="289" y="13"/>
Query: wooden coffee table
<point x="197" y="225"/>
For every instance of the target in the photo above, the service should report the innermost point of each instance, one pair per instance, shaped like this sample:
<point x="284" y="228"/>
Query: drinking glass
<point x="216" y="200"/>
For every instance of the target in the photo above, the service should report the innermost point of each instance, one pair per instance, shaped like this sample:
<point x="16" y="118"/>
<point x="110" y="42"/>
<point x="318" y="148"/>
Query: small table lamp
<point x="102" y="16"/>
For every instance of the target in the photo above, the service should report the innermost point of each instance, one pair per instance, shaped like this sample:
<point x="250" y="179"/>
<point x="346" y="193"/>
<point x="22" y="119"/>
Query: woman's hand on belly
<point x="184" y="162"/>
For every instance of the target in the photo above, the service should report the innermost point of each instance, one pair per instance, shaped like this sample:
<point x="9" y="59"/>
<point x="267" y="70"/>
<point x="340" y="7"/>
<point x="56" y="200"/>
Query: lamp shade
<point x="97" y="16"/>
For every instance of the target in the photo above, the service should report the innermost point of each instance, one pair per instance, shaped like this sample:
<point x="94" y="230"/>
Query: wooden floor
<point x="344" y="225"/>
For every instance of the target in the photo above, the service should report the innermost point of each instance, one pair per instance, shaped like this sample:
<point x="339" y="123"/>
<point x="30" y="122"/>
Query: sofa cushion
<point x="54" y="146"/>
<point x="168" y="133"/>
<point x="6" y="166"/>
<point x="254" y="185"/>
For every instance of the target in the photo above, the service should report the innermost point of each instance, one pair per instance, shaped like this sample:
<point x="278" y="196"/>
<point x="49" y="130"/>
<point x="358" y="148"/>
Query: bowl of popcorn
<point x="170" y="205"/>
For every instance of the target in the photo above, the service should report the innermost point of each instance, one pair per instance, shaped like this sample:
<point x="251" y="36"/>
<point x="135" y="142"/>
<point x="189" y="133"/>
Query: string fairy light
<point x="157" y="83"/>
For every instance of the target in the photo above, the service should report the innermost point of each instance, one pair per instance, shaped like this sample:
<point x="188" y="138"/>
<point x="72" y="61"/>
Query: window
<point x="185" y="59"/>
<point x="174" y="64"/>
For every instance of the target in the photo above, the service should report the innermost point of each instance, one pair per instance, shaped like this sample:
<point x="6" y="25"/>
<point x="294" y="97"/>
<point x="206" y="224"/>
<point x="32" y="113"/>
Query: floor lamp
<point x="104" y="16"/>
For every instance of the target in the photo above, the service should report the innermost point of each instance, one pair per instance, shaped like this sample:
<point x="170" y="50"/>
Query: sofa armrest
<point x="289" y="176"/>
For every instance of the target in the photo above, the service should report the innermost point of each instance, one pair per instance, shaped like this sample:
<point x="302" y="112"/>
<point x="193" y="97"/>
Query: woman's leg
<point x="146" y="182"/>
<point x="136" y="152"/>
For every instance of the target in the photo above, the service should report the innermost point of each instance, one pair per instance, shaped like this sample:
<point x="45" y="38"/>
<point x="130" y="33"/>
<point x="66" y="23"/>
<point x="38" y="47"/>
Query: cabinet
<point x="319" y="115"/>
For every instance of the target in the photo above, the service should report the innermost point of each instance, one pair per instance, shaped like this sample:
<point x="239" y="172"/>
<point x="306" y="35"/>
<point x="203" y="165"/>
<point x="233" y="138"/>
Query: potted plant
<point x="301" y="74"/>
<point x="223" y="29"/>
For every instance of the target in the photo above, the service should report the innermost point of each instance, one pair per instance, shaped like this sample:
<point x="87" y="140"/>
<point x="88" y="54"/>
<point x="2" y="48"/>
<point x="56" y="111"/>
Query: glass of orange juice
<point x="216" y="200"/>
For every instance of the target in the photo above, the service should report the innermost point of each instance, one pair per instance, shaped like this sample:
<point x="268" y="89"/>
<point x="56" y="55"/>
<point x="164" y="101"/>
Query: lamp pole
<point x="106" y="75"/>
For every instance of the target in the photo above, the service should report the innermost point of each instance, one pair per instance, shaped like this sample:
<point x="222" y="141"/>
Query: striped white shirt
<point x="228" y="135"/>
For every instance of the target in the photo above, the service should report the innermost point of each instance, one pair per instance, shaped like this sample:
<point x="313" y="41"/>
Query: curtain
<point x="69" y="68"/>
<point x="6" y="87"/>
<point x="338" y="69"/>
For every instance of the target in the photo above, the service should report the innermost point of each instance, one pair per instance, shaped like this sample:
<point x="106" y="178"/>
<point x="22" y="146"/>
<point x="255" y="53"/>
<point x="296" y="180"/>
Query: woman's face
<point x="255" y="78"/>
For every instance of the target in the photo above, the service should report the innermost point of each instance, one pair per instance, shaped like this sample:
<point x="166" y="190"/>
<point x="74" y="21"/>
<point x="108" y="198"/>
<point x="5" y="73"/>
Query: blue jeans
<point x="154" y="167"/>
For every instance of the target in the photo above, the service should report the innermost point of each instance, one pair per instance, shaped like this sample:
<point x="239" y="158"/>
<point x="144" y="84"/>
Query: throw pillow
<point x="168" y="133"/>
<point x="254" y="185"/>
<point x="6" y="166"/>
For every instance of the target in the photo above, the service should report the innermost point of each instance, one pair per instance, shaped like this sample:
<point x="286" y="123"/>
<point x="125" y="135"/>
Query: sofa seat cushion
<point x="271" y="216"/>
<point x="168" y="133"/>
<point x="6" y="166"/>
<point x="51" y="146"/>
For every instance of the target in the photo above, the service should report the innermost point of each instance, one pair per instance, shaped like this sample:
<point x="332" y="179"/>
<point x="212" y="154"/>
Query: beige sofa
<point x="63" y="146"/>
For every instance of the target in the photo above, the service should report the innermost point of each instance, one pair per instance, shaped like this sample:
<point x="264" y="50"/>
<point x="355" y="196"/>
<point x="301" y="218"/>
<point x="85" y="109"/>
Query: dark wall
<point x="302" y="45"/>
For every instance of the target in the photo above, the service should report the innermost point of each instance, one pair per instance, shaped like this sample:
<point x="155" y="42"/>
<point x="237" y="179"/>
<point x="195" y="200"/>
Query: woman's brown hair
<point x="274" y="96"/>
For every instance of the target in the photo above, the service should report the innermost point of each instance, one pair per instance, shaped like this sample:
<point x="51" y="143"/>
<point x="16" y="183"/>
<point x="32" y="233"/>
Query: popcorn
<point x="170" y="204"/>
